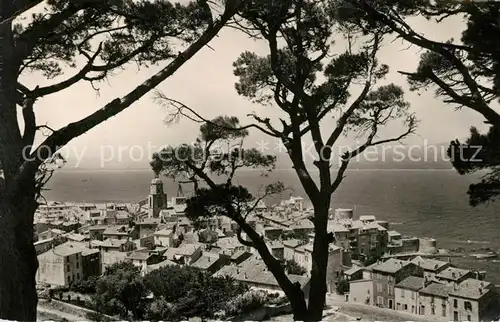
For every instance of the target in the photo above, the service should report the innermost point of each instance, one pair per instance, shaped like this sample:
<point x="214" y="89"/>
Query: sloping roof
<point x="292" y="243"/>
<point x="238" y="254"/>
<point x="452" y="273"/>
<point x="112" y="242"/>
<point x="275" y="245"/>
<point x="229" y="270"/>
<point x="367" y="217"/>
<point x="67" y="249"/>
<point x="116" y="230"/>
<point x="187" y="249"/>
<point x="471" y="289"/>
<point x="204" y="262"/>
<point x="70" y="248"/>
<point x="391" y="266"/>
<point x="437" y="289"/>
<point x="76" y="237"/>
<point x="164" y="232"/>
<point x="353" y="270"/>
<point x="148" y="221"/>
<point x="429" y="264"/>
<point x="142" y="256"/>
<point x="255" y="272"/>
<point x="89" y="251"/>
<point x="336" y="227"/>
<point x="413" y="283"/>
<point x="161" y="264"/>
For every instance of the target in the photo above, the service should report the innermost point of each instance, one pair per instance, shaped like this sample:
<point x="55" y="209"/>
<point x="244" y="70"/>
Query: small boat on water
<point x="486" y="255"/>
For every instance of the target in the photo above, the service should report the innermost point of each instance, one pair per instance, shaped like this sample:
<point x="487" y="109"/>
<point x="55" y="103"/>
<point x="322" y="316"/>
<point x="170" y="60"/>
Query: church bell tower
<point x="157" y="198"/>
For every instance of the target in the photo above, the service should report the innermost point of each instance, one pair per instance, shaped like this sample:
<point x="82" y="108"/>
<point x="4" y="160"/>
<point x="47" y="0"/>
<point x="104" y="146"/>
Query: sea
<point x="417" y="202"/>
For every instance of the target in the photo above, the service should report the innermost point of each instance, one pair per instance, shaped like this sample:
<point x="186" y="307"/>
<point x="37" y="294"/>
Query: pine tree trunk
<point x="317" y="294"/>
<point x="18" y="261"/>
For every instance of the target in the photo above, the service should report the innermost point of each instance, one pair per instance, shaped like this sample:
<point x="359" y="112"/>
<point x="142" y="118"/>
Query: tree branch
<point x="62" y="136"/>
<point x="27" y="41"/>
<point x="477" y="102"/>
<point x="355" y="105"/>
<point x="29" y="121"/>
<point x="200" y="119"/>
<point x="47" y="90"/>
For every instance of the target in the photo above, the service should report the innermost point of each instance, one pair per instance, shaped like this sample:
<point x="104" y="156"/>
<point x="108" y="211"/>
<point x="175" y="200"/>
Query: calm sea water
<point x="423" y="203"/>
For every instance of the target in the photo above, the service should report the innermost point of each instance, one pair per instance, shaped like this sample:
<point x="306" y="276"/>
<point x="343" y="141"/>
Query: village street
<point x="338" y="310"/>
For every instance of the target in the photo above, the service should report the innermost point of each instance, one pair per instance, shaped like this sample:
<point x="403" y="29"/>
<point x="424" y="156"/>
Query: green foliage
<point x="292" y="267"/>
<point x="120" y="291"/>
<point x="342" y="286"/>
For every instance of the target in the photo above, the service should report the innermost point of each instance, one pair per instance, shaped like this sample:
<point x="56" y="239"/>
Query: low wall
<point x="264" y="312"/>
<point x="71" y="309"/>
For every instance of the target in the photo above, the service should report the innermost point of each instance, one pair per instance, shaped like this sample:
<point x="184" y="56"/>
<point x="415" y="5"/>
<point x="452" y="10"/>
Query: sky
<point x="206" y="83"/>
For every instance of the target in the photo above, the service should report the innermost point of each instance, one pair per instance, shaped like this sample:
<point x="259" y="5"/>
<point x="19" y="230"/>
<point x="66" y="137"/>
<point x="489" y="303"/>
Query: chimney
<point x="453" y="275"/>
<point x="480" y="291"/>
<point x="245" y="275"/>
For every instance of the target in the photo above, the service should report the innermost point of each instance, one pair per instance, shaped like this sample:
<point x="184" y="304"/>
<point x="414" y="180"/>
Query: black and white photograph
<point x="250" y="160"/>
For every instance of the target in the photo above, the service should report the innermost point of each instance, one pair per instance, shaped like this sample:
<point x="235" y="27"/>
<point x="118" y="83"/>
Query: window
<point x="77" y="264"/>
<point x="412" y="295"/>
<point x="402" y="293"/>
<point x="405" y="307"/>
<point x="68" y="268"/>
<point x="469" y="318"/>
<point x="433" y="311"/>
<point x="69" y="279"/>
<point x="398" y="306"/>
<point x="467" y="306"/>
<point x="77" y="276"/>
<point x="422" y="310"/>
<point x="77" y="256"/>
<point x="444" y="309"/>
<point x="379" y="288"/>
<point x="455" y="303"/>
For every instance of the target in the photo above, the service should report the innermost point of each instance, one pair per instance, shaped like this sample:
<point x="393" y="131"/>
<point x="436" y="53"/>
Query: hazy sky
<point x="206" y="83"/>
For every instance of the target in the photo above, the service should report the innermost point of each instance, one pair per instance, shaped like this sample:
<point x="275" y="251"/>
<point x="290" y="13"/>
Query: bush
<point x="292" y="267"/>
<point x="160" y="309"/>
<point x="342" y="286"/>
<point x="86" y="286"/>
<point x="246" y="303"/>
